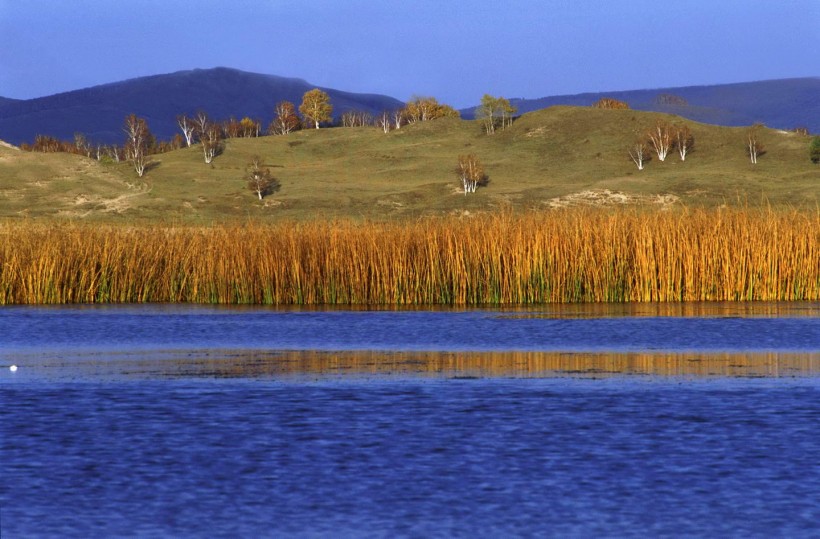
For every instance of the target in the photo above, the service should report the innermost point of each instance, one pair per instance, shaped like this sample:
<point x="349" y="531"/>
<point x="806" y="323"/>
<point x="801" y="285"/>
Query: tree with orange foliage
<point x="422" y="109"/>
<point x="285" y="120"/>
<point x="610" y="103"/>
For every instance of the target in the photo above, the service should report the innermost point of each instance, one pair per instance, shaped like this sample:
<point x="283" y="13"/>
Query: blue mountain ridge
<point x="780" y="104"/>
<point x="99" y="111"/>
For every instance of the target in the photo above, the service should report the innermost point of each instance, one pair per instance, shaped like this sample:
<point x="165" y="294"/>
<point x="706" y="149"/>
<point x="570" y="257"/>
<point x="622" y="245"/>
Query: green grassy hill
<point x="548" y="158"/>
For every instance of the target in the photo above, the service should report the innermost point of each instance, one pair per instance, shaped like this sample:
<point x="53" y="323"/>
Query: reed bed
<point x="553" y="257"/>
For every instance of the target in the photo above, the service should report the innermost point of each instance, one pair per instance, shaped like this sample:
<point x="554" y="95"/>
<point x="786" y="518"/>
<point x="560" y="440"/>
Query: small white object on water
<point x="13" y="368"/>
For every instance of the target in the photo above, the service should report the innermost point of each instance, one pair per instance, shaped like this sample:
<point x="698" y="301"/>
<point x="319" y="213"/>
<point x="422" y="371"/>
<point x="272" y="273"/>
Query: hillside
<point x="780" y="104"/>
<point x="550" y="158"/>
<point x="98" y="112"/>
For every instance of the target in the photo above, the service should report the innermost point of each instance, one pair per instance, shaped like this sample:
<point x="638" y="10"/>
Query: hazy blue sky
<point x="453" y="50"/>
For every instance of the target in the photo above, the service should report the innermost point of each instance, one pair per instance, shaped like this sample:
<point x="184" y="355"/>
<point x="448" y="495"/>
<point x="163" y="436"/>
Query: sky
<point x="453" y="50"/>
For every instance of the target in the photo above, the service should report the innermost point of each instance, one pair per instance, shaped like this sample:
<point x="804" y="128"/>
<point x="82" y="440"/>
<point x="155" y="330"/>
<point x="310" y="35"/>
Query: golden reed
<point x="558" y="256"/>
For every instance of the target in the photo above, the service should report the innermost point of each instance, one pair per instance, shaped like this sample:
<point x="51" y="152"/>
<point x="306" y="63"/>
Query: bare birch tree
<point x="356" y="118"/>
<point x="137" y="137"/>
<point x="661" y="138"/>
<point x="684" y="140"/>
<point x="398" y="118"/>
<point x="639" y="152"/>
<point x="201" y="121"/>
<point x="211" y="140"/>
<point x="383" y="121"/>
<point x="754" y="145"/>
<point x="187" y="126"/>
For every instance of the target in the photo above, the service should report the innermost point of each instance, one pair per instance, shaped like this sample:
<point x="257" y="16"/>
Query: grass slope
<point x="542" y="161"/>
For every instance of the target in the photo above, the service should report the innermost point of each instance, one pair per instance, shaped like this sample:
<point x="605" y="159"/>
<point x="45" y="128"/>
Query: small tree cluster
<point x="356" y="118"/>
<point x="495" y="112"/>
<point x="244" y="128"/>
<point x="422" y="109"/>
<point x="610" y="103"/>
<point x="660" y="139"/>
<point x="470" y="173"/>
<point x="260" y="180"/>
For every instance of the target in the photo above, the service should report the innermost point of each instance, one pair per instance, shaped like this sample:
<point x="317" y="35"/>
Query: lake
<point x="583" y="420"/>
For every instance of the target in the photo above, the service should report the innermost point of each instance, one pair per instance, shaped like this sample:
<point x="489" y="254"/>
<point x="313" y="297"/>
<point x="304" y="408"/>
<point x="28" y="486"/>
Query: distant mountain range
<point x="781" y="104"/>
<point x="98" y="112"/>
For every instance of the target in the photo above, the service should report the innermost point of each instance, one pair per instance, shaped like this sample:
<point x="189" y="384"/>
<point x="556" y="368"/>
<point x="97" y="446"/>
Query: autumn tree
<point x="610" y="103"/>
<point x="754" y="146"/>
<point x="507" y="112"/>
<point x="249" y="127"/>
<point x="285" y="119"/>
<point x="661" y="137"/>
<point x="231" y="128"/>
<point x="316" y="107"/>
<point x="814" y="150"/>
<point x="494" y="112"/>
<point x="422" y="109"/>
<point x="486" y="112"/>
<point x="684" y="141"/>
<point x="470" y="173"/>
<point x="187" y="126"/>
<point x="137" y="142"/>
<point x="260" y="180"/>
<point x="45" y="144"/>
<point x="639" y="152"/>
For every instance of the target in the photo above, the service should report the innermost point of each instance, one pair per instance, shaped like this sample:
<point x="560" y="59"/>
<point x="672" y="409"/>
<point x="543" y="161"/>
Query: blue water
<point x="403" y="456"/>
<point x="795" y="328"/>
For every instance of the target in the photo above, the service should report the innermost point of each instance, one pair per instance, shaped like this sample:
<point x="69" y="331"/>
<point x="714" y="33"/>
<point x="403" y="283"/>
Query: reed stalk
<point x="554" y="257"/>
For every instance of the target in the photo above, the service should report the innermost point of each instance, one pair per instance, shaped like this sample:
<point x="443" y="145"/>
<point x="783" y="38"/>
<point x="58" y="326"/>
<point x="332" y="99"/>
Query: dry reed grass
<point x="559" y="256"/>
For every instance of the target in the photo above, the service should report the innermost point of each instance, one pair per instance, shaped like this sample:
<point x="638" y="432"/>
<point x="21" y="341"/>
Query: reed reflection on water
<point x="368" y="363"/>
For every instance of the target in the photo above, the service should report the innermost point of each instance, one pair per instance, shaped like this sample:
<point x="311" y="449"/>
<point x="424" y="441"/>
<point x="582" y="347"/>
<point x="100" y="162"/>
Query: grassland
<point x="579" y="255"/>
<point x="553" y="157"/>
